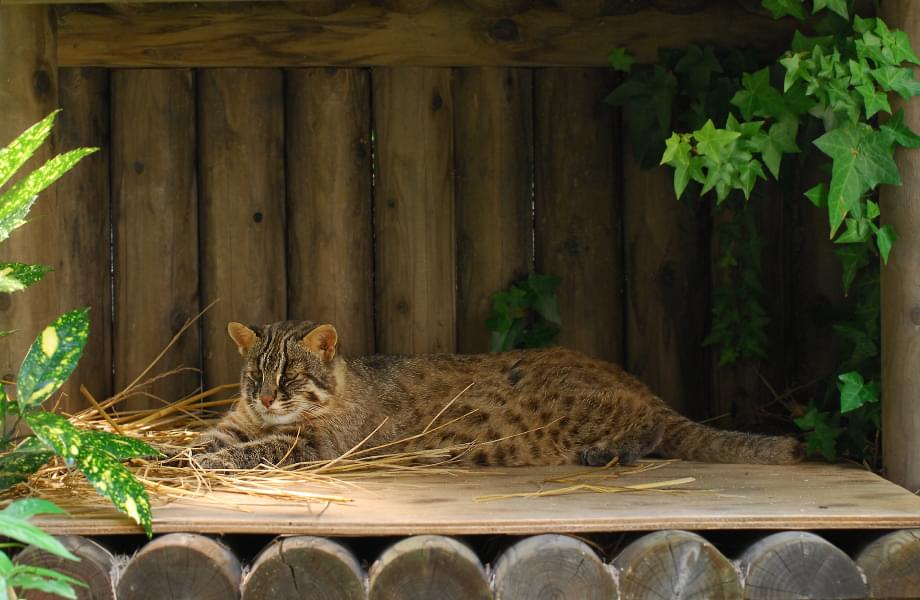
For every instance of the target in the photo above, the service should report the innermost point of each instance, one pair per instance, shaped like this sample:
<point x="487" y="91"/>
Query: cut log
<point x="330" y="213"/>
<point x="155" y="215"/>
<point x="181" y="566"/>
<point x="414" y="211"/>
<point x="94" y="568"/>
<point x="493" y="190"/>
<point x="798" y="564"/>
<point x="428" y="567"/>
<point x="241" y="187"/>
<point x="677" y="565"/>
<point x="554" y="567"/>
<point x="304" y="567"/>
<point x="578" y="219"/>
<point x="891" y="565"/>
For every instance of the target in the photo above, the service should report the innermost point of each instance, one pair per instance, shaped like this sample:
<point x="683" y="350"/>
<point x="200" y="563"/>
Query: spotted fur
<point x="301" y="401"/>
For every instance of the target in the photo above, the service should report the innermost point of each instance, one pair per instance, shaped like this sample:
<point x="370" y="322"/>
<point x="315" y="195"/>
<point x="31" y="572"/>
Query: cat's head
<point x="288" y="369"/>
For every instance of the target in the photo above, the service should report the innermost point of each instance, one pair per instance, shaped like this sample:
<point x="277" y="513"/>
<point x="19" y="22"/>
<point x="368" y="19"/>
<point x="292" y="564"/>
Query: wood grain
<point x="330" y="214"/>
<point x="155" y="203"/>
<point x="675" y="564"/>
<point x="242" y="208"/>
<point x="84" y="268"/>
<point x="93" y="568"/>
<point x="799" y="564"/>
<point x="493" y="125"/>
<point x="578" y="217"/>
<point x="415" y="276"/>
<point x="28" y="93"/>
<point x="448" y="34"/>
<point x="891" y="564"/>
<point x="901" y="293"/>
<point x="304" y="566"/>
<point x="667" y="287"/>
<point x="806" y="496"/>
<point x="554" y="567"/>
<point x="181" y="565"/>
<point x="427" y="567"/>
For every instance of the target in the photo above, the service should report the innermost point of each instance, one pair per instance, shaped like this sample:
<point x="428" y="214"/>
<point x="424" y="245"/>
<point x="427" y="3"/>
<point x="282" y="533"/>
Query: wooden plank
<point x="414" y="214"/>
<point x="28" y="92"/>
<point x="181" y="565"/>
<point x="156" y="227"/>
<point x="330" y="213"/>
<point x="287" y="567"/>
<point x="799" y="564"/>
<point x="676" y="564"/>
<point x="493" y="190"/>
<point x="241" y="166"/>
<point x="578" y="219"/>
<point x="667" y="288"/>
<point x="891" y="564"/>
<point x="901" y="293"/>
<point x="448" y="34"/>
<point x="85" y="272"/>
<point x="428" y="567"/>
<point x="93" y="568"/>
<point x="806" y="496"/>
<point x="565" y="565"/>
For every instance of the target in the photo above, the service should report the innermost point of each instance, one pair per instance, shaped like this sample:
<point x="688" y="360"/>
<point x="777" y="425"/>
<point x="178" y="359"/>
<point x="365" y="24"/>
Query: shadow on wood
<point x="552" y="567"/>
<point x="94" y="568"/>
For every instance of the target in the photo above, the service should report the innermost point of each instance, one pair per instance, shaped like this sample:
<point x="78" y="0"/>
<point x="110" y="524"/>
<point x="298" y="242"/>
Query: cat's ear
<point x="244" y="337"/>
<point x="321" y="341"/>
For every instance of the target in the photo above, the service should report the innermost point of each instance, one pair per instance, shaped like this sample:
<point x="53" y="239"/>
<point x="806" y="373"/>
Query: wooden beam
<point x="901" y="293"/>
<point x="447" y="34"/>
<point x="428" y="567"/>
<point x="799" y="564"/>
<point x="305" y="566"/>
<point x="565" y="565"/>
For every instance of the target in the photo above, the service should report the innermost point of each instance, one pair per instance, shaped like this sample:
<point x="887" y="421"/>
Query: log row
<point x="672" y="564"/>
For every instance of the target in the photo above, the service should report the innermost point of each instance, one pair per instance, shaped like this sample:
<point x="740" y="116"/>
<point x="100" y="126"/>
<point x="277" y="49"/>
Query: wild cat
<point x="302" y="401"/>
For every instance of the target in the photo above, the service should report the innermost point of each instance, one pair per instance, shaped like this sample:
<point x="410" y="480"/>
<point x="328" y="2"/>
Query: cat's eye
<point x="254" y="376"/>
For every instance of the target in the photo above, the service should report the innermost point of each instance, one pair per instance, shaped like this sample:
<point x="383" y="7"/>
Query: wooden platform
<point x="809" y="496"/>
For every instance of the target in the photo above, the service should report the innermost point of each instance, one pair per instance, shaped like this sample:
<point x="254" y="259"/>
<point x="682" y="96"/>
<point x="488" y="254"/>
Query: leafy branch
<point x="526" y="315"/>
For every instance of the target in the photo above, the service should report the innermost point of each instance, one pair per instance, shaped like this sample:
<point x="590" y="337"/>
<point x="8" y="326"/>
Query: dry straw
<point x="174" y="427"/>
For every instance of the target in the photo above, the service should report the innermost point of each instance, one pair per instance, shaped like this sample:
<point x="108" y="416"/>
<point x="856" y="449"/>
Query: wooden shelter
<point x="386" y="166"/>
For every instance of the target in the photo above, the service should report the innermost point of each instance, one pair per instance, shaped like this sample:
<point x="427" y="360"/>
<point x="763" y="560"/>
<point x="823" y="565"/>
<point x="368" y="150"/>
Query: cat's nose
<point x="266" y="400"/>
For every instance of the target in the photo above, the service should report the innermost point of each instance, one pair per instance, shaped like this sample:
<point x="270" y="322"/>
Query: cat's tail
<point x="685" y="439"/>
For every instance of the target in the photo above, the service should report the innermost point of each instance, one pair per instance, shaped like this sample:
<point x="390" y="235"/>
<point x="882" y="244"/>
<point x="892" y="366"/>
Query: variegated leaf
<point x="16" y="201"/>
<point x="17" y="465"/>
<point x="51" y="359"/>
<point x="17" y="276"/>
<point x="118" y="446"/>
<point x="57" y="433"/>
<point x="23" y="147"/>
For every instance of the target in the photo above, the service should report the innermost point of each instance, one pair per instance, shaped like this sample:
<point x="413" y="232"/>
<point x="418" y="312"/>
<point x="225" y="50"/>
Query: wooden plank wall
<point x="389" y="201"/>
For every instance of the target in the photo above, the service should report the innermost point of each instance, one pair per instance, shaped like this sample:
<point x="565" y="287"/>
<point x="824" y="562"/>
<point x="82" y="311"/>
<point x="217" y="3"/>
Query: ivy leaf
<point x="873" y="100"/>
<point x="852" y="257"/>
<point x="781" y="8"/>
<point x="897" y="79"/>
<point x="855" y="392"/>
<point x="699" y="64"/>
<point x="779" y="140"/>
<point x="758" y="98"/>
<point x="899" y="43"/>
<point x="900" y="132"/>
<point x="16" y="466"/>
<point x="621" y="60"/>
<point x="837" y="6"/>
<point x="793" y="65"/>
<point x="818" y="195"/>
<point x="52" y="358"/>
<point x="17" y="276"/>
<point x="885" y="237"/>
<point x="711" y="141"/>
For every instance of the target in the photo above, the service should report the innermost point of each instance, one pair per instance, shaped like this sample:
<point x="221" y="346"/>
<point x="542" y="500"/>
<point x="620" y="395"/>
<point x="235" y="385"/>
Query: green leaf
<point x="758" y="97"/>
<point x="781" y="8"/>
<point x="711" y="141"/>
<point x="818" y="195"/>
<point x="13" y="156"/>
<point x="16" y="527"/>
<point x="17" y="276"/>
<point x="25" y="577"/>
<point x="897" y="79"/>
<point x="885" y="237"/>
<point x="52" y="358"/>
<point x="17" y="465"/>
<point x="837" y="6"/>
<point x="779" y="140"/>
<point x="16" y="202"/>
<point x="29" y="507"/>
<point x="621" y="60"/>
<point x="855" y="392"/>
<point x="118" y="446"/>
<point x="873" y="100"/>
<point x="57" y="433"/>
<point x="900" y="132"/>
<point x="852" y="257"/>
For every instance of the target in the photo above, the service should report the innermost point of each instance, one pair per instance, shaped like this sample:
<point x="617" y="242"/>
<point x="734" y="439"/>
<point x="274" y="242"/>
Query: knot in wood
<point x="41" y="82"/>
<point x="504" y="30"/>
<point x="436" y="101"/>
<point x="915" y="315"/>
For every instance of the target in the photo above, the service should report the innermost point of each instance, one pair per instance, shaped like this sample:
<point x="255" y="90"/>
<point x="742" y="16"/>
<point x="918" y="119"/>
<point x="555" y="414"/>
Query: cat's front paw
<point x="214" y="460"/>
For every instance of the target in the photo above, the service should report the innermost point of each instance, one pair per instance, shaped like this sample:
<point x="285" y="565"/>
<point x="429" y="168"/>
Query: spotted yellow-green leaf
<point x="112" y="480"/>
<point x="118" y="446"/>
<point x="13" y="156"/>
<point x="16" y="202"/>
<point x="14" y="525"/>
<point x="52" y="358"/>
<point x="57" y="433"/>
<point x="17" y="276"/>
<point x="18" y="464"/>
